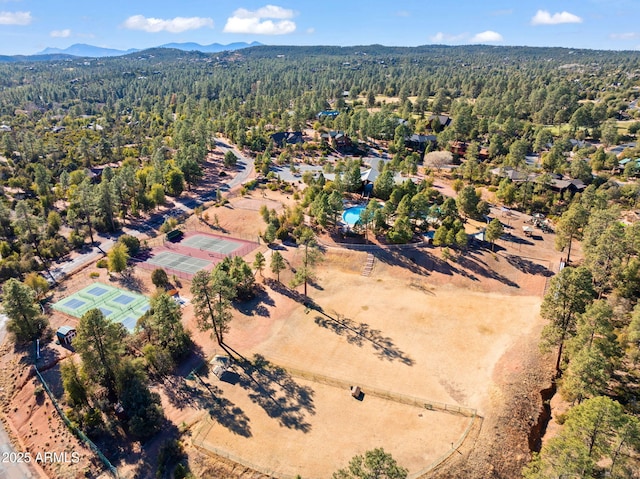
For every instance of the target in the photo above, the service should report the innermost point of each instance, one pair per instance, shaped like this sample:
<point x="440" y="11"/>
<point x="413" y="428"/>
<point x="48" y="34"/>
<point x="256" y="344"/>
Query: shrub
<point x="102" y="263"/>
<point x="131" y="242"/>
<point x="76" y="240"/>
<point x="159" y="278"/>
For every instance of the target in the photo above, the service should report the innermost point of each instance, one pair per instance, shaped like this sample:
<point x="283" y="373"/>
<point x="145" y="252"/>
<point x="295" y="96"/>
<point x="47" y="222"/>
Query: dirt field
<point x="320" y="435"/>
<point x="460" y="332"/>
<point x="397" y="330"/>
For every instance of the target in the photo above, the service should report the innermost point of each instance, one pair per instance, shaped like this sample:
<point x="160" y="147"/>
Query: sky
<point x="29" y="26"/>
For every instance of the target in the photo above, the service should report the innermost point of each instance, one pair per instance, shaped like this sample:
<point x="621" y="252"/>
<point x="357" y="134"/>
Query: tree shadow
<point x="256" y="306"/>
<point x="200" y="394"/>
<point x="276" y="392"/>
<point x="132" y="282"/>
<point x="515" y="239"/>
<point x="415" y="260"/>
<point x="26" y="352"/>
<point x="433" y="263"/>
<point x="145" y="460"/>
<point x="477" y="266"/>
<point x="315" y="285"/>
<point x="527" y="266"/>
<point x="361" y="334"/>
<point x="194" y="360"/>
<point x="278" y="287"/>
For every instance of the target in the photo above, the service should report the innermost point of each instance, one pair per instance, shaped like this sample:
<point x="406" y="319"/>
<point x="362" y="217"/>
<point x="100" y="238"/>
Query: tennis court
<point x="179" y="262"/>
<point x="116" y="304"/>
<point x="215" y="244"/>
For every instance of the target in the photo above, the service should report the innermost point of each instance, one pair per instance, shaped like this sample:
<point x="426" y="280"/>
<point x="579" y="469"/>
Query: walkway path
<point x="368" y="266"/>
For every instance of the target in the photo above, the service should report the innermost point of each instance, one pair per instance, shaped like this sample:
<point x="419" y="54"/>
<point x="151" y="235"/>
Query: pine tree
<point x="25" y="318"/>
<point x="277" y="264"/>
<point x="99" y="342"/>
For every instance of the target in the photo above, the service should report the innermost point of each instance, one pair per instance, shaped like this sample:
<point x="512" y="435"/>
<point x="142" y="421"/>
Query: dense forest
<point x="90" y="144"/>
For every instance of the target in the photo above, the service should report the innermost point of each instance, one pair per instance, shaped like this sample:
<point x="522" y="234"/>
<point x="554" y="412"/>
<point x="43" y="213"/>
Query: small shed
<point x="356" y="392"/>
<point x="66" y="334"/>
<point x="528" y="230"/>
<point x="220" y="365"/>
<point x="174" y="235"/>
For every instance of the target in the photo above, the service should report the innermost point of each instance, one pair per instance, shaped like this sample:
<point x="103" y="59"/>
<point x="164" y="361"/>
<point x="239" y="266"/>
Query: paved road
<point x="60" y="270"/>
<point x="245" y="166"/>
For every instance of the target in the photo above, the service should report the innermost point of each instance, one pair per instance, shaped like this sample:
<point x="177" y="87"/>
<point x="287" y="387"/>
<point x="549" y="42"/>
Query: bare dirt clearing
<point x="461" y="332"/>
<point x="395" y="330"/>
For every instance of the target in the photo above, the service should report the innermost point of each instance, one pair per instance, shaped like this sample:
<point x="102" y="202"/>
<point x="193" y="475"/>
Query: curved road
<point x="245" y="165"/>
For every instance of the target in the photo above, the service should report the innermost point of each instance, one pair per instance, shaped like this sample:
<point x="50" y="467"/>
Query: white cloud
<point x="15" y="18"/>
<point x="403" y="13"/>
<point x="441" y="37"/>
<point x="268" y="11"/>
<point x="543" y="17"/>
<point x="624" y="36"/>
<point x="247" y="21"/>
<point x="486" y="37"/>
<point x="311" y="30"/>
<point x="173" y="25"/>
<point x="66" y="33"/>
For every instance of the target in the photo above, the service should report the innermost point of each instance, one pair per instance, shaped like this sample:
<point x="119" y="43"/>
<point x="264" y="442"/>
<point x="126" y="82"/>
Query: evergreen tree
<point x="375" y="464"/>
<point x="568" y="295"/>
<point x="277" y="264"/>
<point x="259" y="263"/>
<point x="141" y="406"/>
<point x="212" y="294"/>
<point x="26" y="321"/>
<point x="494" y="231"/>
<point x="99" y="342"/>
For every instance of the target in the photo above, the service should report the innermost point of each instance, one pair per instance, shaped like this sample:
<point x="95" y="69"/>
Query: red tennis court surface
<point x="194" y="252"/>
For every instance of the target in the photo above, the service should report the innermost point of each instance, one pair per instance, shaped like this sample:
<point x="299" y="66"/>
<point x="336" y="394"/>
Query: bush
<point x="171" y="451"/>
<point x="159" y="278"/>
<point x="38" y="392"/>
<point x="131" y="242"/>
<point x="102" y="263"/>
<point x="93" y="422"/>
<point x="182" y="472"/>
<point x="76" y="240"/>
<point x="168" y="225"/>
<point x="94" y="275"/>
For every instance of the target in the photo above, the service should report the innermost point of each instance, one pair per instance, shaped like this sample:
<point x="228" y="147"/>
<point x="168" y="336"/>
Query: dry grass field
<point x="458" y="332"/>
<point x="396" y="330"/>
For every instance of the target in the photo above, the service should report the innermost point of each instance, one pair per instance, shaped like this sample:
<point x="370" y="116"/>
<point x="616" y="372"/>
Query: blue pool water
<point x="352" y="215"/>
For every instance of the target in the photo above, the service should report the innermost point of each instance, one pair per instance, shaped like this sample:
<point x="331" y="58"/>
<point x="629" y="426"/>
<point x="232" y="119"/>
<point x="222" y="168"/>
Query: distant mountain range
<point x="84" y="50"/>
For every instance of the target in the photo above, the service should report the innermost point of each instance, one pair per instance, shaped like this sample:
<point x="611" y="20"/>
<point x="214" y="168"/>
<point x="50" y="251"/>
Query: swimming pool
<point x="352" y="215"/>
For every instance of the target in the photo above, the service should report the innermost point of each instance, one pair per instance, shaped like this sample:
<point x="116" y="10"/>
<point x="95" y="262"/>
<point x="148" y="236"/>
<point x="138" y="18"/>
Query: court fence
<point x="140" y="263"/>
<point x="201" y="227"/>
<point x="77" y="432"/>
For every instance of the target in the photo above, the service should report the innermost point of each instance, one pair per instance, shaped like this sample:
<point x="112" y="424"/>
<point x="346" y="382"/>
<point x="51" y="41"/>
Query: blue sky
<point x="29" y="26"/>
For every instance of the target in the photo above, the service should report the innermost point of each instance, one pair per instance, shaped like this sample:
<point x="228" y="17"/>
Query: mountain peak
<point x="84" y="50"/>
